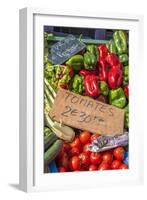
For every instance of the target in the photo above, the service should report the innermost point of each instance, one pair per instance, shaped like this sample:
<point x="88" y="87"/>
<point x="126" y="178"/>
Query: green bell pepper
<point x="126" y="120"/>
<point x="89" y="61"/>
<point x="104" y="90"/>
<point x="120" y="41"/>
<point x="76" y="62"/>
<point x="117" y="98"/>
<point x="78" y="84"/>
<point x="91" y="48"/>
<point x="124" y="58"/>
<point x="111" y="47"/>
<point x="125" y="75"/>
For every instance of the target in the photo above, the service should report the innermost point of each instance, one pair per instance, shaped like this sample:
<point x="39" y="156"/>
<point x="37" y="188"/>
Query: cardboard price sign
<point x="87" y="114"/>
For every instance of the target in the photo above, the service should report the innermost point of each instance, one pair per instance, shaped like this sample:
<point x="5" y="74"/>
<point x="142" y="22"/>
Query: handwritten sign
<point x="87" y="114"/>
<point x="64" y="49"/>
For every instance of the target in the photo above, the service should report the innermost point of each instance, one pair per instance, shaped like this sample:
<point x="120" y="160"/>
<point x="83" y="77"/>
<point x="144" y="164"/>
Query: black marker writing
<point x="67" y="111"/>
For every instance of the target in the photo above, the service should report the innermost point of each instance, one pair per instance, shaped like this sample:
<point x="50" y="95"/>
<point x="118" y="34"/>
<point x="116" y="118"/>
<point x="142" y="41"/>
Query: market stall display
<point x="99" y="71"/>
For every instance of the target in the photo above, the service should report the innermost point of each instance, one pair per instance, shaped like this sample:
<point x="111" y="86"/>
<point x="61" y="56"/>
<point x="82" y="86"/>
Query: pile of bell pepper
<point x="99" y="71"/>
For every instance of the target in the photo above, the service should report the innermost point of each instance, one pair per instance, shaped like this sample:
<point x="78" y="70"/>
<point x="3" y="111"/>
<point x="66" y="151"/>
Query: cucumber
<point x="53" y="151"/>
<point x="49" y="140"/>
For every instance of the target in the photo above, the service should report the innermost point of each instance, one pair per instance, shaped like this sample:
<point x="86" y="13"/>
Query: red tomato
<point x="94" y="137"/>
<point x="76" y="143"/>
<point x="81" y="169"/>
<point x="104" y="166"/>
<point x="66" y="147"/>
<point x="74" y="163"/>
<point x="95" y="158"/>
<point x="119" y="153"/>
<point x="92" y="167"/>
<point x="63" y="161"/>
<point x="123" y="166"/>
<point x="85" y="160"/>
<point x="74" y="152"/>
<point x="61" y="153"/>
<point x="85" y="137"/>
<point x="85" y="149"/>
<point x="62" y="169"/>
<point x="107" y="157"/>
<point x="116" y="164"/>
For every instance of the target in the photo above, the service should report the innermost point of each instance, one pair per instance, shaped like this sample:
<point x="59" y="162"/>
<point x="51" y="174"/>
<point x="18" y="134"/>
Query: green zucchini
<point x="49" y="140"/>
<point x="53" y="151"/>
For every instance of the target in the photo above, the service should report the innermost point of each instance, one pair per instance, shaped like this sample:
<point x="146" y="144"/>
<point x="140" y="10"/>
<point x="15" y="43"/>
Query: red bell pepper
<point x="110" y="69"/>
<point x="103" y="71"/>
<point x="126" y="90"/>
<point x="113" y="60"/>
<point x="115" y="76"/>
<point x="102" y="65"/>
<point x="91" y="86"/>
<point x="85" y="72"/>
<point x="103" y="51"/>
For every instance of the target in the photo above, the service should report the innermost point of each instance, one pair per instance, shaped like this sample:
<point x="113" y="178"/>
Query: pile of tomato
<point x="76" y="156"/>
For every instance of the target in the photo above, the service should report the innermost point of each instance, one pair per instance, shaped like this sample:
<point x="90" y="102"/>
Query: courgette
<point x="53" y="151"/>
<point x="49" y="140"/>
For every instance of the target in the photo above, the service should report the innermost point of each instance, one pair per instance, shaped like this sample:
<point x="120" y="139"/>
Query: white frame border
<point x="27" y="95"/>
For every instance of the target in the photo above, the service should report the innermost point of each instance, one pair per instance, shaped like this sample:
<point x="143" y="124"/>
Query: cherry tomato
<point x="123" y="166"/>
<point x="85" y="160"/>
<point x="107" y="157"/>
<point x="119" y="153"/>
<point x="66" y="147"/>
<point x="81" y="169"/>
<point x="63" y="161"/>
<point x="85" y="137"/>
<point x="61" y="153"/>
<point x="116" y="164"/>
<point x="92" y="167"/>
<point x="76" y="143"/>
<point x="86" y="150"/>
<point x="95" y="158"/>
<point x="94" y="137"/>
<point x="62" y="169"/>
<point x="74" y="163"/>
<point x="74" y="152"/>
<point x="104" y="166"/>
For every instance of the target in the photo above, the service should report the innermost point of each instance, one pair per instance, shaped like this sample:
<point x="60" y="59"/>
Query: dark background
<point x="101" y="34"/>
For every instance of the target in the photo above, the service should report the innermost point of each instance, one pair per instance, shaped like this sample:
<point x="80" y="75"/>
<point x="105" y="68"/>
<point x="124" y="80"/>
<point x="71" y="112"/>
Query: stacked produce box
<point x="101" y="72"/>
